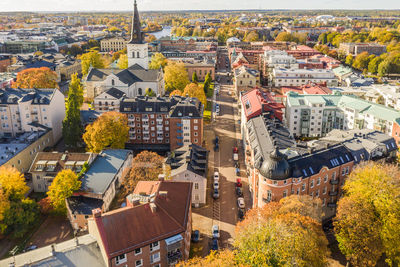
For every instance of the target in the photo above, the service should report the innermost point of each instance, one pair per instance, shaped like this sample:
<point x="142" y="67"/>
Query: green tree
<point x="176" y="76"/>
<point x="207" y="83"/>
<point x="110" y="130"/>
<point x="72" y="130"/>
<point x="374" y="64"/>
<point x="123" y="61"/>
<point x="349" y="59"/>
<point x="194" y="78"/>
<point x="157" y="61"/>
<point x="63" y="186"/>
<point x="361" y="61"/>
<point x="91" y="59"/>
<point x="368" y="220"/>
<point x="149" y="92"/>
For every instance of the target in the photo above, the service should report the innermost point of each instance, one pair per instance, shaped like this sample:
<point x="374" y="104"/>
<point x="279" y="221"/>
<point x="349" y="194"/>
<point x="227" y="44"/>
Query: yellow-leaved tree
<point x="92" y="58"/>
<point x="157" y="61"/>
<point x="194" y="90"/>
<point x="175" y="92"/>
<point x="110" y="130"/>
<point x="175" y="76"/>
<point x="63" y="186"/>
<point x="123" y="61"/>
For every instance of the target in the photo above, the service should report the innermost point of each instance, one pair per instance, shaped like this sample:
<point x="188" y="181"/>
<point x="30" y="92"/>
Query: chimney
<point x="96" y="213"/>
<point x="161" y="177"/>
<point x="132" y="202"/>
<point x="153" y="207"/>
<point x="76" y="241"/>
<point x="53" y="249"/>
<point x="163" y="194"/>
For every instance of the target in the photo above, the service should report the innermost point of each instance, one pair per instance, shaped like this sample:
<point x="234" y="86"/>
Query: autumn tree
<point x="176" y="76"/>
<point x="361" y="61"/>
<point x="63" y="186"/>
<point x="367" y="224"/>
<point x="207" y="83"/>
<point x="285" y="233"/>
<point x="222" y="258"/>
<point x="146" y="166"/>
<point x="175" y="92"/>
<point x="194" y="78"/>
<point x="194" y="90"/>
<point x="36" y="78"/>
<point x="91" y="59"/>
<point x="72" y="130"/>
<point x="157" y="61"/>
<point x="149" y="92"/>
<point x="349" y="59"/>
<point x="110" y="130"/>
<point x="123" y="61"/>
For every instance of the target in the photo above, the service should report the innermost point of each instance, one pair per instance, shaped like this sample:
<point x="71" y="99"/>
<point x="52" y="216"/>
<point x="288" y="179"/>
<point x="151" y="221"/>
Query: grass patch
<point x="207" y="112"/>
<point x="210" y="91"/>
<point x="196" y="250"/>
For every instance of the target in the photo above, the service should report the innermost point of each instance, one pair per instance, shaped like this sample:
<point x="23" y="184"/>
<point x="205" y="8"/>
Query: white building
<point x="27" y="110"/>
<point x="298" y="77"/>
<point x="280" y="59"/>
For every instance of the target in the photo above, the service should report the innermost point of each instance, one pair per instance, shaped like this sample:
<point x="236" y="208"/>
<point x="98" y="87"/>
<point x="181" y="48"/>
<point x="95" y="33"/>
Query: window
<point x="333" y="175"/>
<point x="120" y="259"/>
<point x="140" y="91"/>
<point x="326" y="178"/>
<point x="155" y="257"/>
<point x="318" y="180"/>
<point x="303" y="187"/>
<point x="139" y="263"/>
<point x="324" y="191"/>
<point x="312" y="184"/>
<point x="285" y="193"/>
<point x="195" y="128"/>
<point x="317" y="193"/>
<point x="138" y="251"/>
<point x="196" y="185"/>
<point x="154" y="246"/>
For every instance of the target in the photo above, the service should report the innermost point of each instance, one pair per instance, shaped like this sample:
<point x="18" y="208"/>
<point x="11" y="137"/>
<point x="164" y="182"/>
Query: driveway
<point x="53" y="230"/>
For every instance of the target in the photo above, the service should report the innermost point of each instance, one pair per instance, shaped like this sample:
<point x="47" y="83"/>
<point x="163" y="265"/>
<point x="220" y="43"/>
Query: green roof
<point x="342" y="70"/>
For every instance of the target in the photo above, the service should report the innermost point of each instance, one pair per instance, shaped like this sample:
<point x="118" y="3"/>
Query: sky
<point x="156" y="5"/>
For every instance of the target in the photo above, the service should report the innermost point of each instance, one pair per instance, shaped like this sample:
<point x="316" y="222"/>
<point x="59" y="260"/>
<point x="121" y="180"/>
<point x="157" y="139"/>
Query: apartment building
<point x="278" y="167"/>
<point x="189" y="164"/>
<point x="201" y="68"/>
<point x="69" y="67"/>
<point x="297" y="77"/>
<point x="109" y="100"/>
<point x="153" y="230"/>
<point x="113" y="44"/>
<point x="316" y="115"/>
<point x="163" y="123"/>
<point x="245" y="78"/>
<point x="275" y="59"/>
<point x="358" y="48"/>
<point x="5" y="61"/>
<point x="302" y="51"/>
<point x="24" y="110"/>
<point x="47" y="165"/>
<point x="100" y="184"/>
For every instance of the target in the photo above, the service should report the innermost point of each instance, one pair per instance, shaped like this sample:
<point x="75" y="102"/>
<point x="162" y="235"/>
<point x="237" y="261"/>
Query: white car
<point x="240" y="202"/>
<point x="215" y="231"/>
<point x="216" y="184"/>
<point x="216" y="176"/>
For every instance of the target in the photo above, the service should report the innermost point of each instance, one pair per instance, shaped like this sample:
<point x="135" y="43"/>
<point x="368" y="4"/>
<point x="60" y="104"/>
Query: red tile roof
<point x="257" y="101"/>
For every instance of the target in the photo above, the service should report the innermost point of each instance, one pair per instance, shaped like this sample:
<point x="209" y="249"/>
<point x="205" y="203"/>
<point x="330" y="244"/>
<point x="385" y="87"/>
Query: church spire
<point x="136" y="31"/>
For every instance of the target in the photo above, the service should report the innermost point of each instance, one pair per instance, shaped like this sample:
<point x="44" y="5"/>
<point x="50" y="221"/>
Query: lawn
<point x="207" y="112"/>
<point x="210" y="91"/>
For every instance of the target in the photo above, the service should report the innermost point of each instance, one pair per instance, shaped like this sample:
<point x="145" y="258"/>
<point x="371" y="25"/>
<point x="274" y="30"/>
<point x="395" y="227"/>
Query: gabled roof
<point x="128" y="76"/>
<point x="114" y="92"/>
<point x="126" y="229"/>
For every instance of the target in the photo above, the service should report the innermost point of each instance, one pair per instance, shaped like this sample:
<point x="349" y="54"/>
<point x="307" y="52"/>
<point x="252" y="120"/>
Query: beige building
<point x="113" y="44"/>
<point x="245" y="77"/>
<point x="67" y="68"/>
<point x="26" y="110"/>
<point x="358" y="48"/>
<point x="201" y="69"/>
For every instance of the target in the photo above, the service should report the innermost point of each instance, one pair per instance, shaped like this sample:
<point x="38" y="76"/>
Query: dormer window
<point x="112" y="82"/>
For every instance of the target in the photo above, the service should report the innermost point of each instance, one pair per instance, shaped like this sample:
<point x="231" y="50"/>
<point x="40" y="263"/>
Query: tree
<point x="251" y="37"/>
<point x="123" y="61"/>
<point x="157" y="61"/>
<point x="380" y="100"/>
<point x="175" y="92"/>
<point x="361" y="61"/>
<point x="63" y="186"/>
<point x="36" y="78"/>
<point x="349" y="59"/>
<point x="110" y="130"/>
<point x="12" y="183"/>
<point x="374" y="64"/>
<point x="176" y="76"/>
<point x="91" y="59"/>
<point x="368" y="220"/>
<point x="149" y="92"/>
<point x="282" y="234"/>
<point x="193" y="90"/>
<point x="194" y="78"/>
<point x="207" y="83"/>
<point x="146" y="166"/>
<point x="222" y="258"/>
<point x="72" y="130"/>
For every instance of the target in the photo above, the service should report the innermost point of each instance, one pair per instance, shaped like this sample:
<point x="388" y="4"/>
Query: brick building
<point x="358" y="48"/>
<point x="163" y="123"/>
<point x="201" y="68"/>
<point x="153" y="230"/>
<point x="5" y="61"/>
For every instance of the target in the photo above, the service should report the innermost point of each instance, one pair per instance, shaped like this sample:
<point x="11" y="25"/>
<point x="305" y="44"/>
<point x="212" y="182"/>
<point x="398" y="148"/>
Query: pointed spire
<point x="136" y="31"/>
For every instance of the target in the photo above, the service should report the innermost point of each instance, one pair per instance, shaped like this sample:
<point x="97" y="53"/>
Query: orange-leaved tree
<point x="36" y="78"/>
<point x="194" y="90"/>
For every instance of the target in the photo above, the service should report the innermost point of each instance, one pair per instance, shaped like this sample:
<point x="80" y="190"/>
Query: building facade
<point x="358" y="48"/>
<point x="113" y="44"/>
<point x="298" y="77"/>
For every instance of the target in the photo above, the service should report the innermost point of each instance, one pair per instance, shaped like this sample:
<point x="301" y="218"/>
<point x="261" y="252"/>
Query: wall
<point x="188" y="176"/>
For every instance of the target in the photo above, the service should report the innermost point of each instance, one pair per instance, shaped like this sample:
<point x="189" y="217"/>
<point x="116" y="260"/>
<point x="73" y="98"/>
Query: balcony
<point x="180" y="144"/>
<point x="174" y="257"/>
<point x="145" y="120"/>
<point x="179" y="131"/>
<point x="179" y="124"/>
<point x="179" y="137"/>
<point x="34" y="112"/>
<point x="336" y="181"/>
<point x="333" y="193"/>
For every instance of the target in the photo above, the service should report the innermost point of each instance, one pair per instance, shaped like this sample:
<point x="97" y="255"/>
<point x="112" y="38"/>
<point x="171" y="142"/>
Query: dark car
<point x="239" y="191"/>
<point x="196" y="236"/>
<point x="216" y="140"/>
<point x="214" y="244"/>
<point x="216" y="194"/>
<point x="216" y="147"/>
<point x="240" y="214"/>
<point x="237" y="166"/>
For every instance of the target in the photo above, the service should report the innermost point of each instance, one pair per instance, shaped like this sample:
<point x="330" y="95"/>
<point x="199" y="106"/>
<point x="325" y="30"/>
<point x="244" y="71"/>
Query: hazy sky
<point x="145" y="5"/>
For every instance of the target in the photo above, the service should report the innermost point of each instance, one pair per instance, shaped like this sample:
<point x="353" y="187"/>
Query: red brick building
<point x="5" y="61"/>
<point x="153" y="230"/>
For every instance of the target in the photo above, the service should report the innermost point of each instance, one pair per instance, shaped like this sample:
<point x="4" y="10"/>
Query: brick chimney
<point x="161" y="177"/>
<point x="153" y="207"/>
<point x="96" y="213"/>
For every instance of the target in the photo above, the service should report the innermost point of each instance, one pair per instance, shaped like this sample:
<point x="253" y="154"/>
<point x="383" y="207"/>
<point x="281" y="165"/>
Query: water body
<point x="164" y="33"/>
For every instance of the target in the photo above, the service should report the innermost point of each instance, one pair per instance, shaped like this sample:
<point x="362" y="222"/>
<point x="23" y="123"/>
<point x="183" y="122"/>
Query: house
<point x="100" y="183"/>
<point x="153" y="230"/>
<point x="109" y="100"/>
<point x="298" y="77"/>
<point x="245" y="78"/>
<point x="189" y="164"/>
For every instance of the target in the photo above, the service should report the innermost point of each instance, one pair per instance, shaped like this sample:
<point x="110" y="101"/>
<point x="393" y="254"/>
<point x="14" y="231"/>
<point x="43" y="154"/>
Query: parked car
<point x="240" y="202"/>
<point x="235" y="149"/>
<point x="214" y="244"/>
<point x="238" y="182"/>
<point x="239" y="192"/>
<point x="31" y="247"/>
<point x="216" y="140"/>
<point x="216" y="176"/>
<point x="216" y="194"/>
<point x="216" y="185"/>
<point x="240" y="214"/>
<point x="196" y="236"/>
<point x="215" y="231"/>
<point x="237" y="171"/>
<point x="237" y="165"/>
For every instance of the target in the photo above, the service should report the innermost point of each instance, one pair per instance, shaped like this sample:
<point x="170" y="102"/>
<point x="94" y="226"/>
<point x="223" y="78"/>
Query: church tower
<point x="137" y="49"/>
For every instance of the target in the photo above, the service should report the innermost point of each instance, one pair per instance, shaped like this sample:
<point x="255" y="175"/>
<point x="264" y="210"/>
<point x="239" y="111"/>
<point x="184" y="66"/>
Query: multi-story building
<point x="245" y="78"/>
<point x="358" y="48"/>
<point x="68" y="67"/>
<point x="100" y="184"/>
<point x="6" y="79"/>
<point x="153" y="230"/>
<point x="108" y="100"/>
<point x="189" y="164"/>
<point x="113" y="44"/>
<point x="317" y="115"/>
<point x="302" y="51"/>
<point x="47" y="165"/>
<point x="329" y="62"/>
<point x="23" y="47"/>
<point x="173" y="44"/>
<point x="279" y="167"/>
<point x="275" y="59"/>
<point x="24" y="110"/>
<point x="5" y="61"/>
<point x="298" y="77"/>
<point x="201" y="68"/>
<point x="163" y="123"/>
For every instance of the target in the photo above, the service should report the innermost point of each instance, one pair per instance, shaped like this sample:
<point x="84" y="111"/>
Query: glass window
<point x="120" y="259"/>
<point x="138" y="251"/>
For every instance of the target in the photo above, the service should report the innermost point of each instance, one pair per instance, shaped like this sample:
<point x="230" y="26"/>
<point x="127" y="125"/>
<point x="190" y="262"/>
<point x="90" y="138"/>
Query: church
<point x="136" y="79"/>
